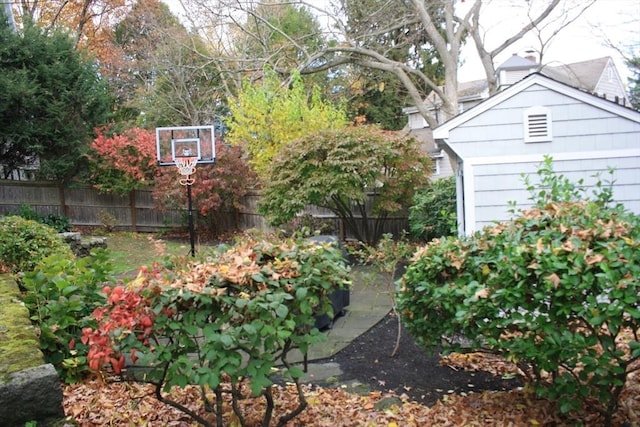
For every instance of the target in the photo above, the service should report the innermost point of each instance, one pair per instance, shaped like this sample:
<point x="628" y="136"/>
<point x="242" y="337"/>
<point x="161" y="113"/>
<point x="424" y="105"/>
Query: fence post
<point x="63" y="202"/>
<point x="132" y="207"/>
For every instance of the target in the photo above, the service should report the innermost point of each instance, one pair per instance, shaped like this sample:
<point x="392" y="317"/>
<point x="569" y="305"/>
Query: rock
<point x="29" y="389"/>
<point x="82" y="247"/>
<point x="33" y="394"/>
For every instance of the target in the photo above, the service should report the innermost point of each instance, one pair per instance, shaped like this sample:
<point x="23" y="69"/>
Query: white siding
<point x="586" y="140"/>
<point x="610" y="85"/>
<point x="445" y="168"/>
<point x="416" y="121"/>
<point x="575" y="126"/>
<point x="589" y="136"/>
<point x="496" y="184"/>
<point x="424" y="135"/>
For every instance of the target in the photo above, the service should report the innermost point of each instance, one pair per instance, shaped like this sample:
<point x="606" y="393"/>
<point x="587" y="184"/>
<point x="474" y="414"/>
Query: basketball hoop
<point x="186" y="167"/>
<point x="185" y="147"/>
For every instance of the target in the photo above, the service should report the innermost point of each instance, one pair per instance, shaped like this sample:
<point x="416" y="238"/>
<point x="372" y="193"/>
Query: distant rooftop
<point x="516" y="62"/>
<point x="583" y="75"/>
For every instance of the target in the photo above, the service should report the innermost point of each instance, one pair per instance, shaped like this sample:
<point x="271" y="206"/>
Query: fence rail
<point x="85" y="206"/>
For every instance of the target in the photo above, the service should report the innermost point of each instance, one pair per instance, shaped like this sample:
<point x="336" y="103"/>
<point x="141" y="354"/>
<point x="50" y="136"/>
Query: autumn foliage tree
<point x="125" y="162"/>
<point x="86" y="21"/>
<point x="339" y="170"/>
<point x="217" y="186"/>
<point x="162" y="75"/>
<point x="268" y="116"/>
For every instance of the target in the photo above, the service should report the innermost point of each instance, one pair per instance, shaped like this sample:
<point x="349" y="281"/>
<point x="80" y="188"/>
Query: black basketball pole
<point x="191" y="231"/>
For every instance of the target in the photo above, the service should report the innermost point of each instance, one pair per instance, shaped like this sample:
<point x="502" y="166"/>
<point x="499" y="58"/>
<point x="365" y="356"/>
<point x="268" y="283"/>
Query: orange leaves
<point x="554" y="279"/>
<point x="126" y="311"/>
<point x="485" y="362"/>
<point x="96" y="403"/>
<point x="594" y="258"/>
<point x="481" y="293"/>
<point x="238" y="266"/>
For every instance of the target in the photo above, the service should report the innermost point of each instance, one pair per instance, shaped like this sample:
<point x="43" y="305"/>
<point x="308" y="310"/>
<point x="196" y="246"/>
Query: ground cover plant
<point x="555" y="291"/>
<point x="222" y="324"/>
<point x="61" y="293"/>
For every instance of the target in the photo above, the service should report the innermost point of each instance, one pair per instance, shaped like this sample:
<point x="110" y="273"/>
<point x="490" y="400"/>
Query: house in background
<point x="507" y="135"/>
<point x="597" y="76"/>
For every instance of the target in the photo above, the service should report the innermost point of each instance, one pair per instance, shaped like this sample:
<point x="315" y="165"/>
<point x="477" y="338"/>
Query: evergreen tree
<point x="51" y="99"/>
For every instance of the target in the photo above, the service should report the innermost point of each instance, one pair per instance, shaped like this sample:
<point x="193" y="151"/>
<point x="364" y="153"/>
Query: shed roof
<point x="442" y="131"/>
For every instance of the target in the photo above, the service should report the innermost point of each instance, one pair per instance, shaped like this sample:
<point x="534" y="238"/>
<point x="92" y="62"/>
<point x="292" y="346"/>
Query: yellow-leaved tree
<point x="267" y="116"/>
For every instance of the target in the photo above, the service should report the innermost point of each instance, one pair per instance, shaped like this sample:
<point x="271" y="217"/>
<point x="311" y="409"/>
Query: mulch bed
<point x="413" y="371"/>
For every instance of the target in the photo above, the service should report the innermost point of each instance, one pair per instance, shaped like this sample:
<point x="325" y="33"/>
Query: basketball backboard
<point x="185" y="141"/>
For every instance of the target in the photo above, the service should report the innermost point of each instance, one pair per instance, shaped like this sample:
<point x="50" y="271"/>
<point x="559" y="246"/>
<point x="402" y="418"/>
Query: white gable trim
<point x="442" y="131"/>
<point x="469" y="192"/>
<point x="605" y="71"/>
<point x="608" y="69"/>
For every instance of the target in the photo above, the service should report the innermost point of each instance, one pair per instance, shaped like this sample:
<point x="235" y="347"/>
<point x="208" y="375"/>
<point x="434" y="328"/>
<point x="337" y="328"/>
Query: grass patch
<point x="129" y="251"/>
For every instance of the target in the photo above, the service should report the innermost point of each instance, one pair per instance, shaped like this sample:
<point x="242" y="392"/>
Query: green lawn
<point x="132" y="250"/>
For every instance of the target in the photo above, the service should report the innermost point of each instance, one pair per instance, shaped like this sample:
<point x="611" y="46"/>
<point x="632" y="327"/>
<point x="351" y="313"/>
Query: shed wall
<point x="498" y="183"/>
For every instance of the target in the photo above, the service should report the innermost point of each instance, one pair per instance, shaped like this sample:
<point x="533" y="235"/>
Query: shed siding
<point x="499" y="183"/>
<point x="589" y="136"/>
<point x="575" y="126"/>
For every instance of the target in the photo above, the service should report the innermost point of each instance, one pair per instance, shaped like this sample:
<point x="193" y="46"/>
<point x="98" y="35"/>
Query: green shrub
<point x="555" y="290"/>
<point x="56" y="221"/>
<point x="61" y="294"/>
<point x="23" y="243"/>
<point x="433" y="213"/>
<point x="223" y="323"/>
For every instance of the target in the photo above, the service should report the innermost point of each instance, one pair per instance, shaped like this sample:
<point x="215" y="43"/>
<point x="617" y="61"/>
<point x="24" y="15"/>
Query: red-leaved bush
<point x="125" y="162"/>
<point x="127" y="312"/>
<point x="216" y="186"/>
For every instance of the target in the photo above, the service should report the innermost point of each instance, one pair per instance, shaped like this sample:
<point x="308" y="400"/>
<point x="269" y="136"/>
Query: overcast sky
<point x="618" y="20"/>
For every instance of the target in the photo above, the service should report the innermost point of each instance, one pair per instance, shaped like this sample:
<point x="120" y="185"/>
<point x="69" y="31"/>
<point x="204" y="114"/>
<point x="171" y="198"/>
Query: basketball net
<point x="186" y="167"/>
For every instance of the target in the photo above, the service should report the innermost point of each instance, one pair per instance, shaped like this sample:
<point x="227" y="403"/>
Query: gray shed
<point x="494" y="143"/>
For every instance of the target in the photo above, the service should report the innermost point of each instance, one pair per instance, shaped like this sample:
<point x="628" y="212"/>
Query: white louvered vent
<point x="537" y="124"/>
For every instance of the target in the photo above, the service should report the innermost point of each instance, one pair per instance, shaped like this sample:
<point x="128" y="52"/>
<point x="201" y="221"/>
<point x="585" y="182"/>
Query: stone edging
<point x="29" y="389"/>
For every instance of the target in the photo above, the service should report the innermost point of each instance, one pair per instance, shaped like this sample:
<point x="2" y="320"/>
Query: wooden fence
<point x="86" y="207"/>
<point x="318" y="217"/>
